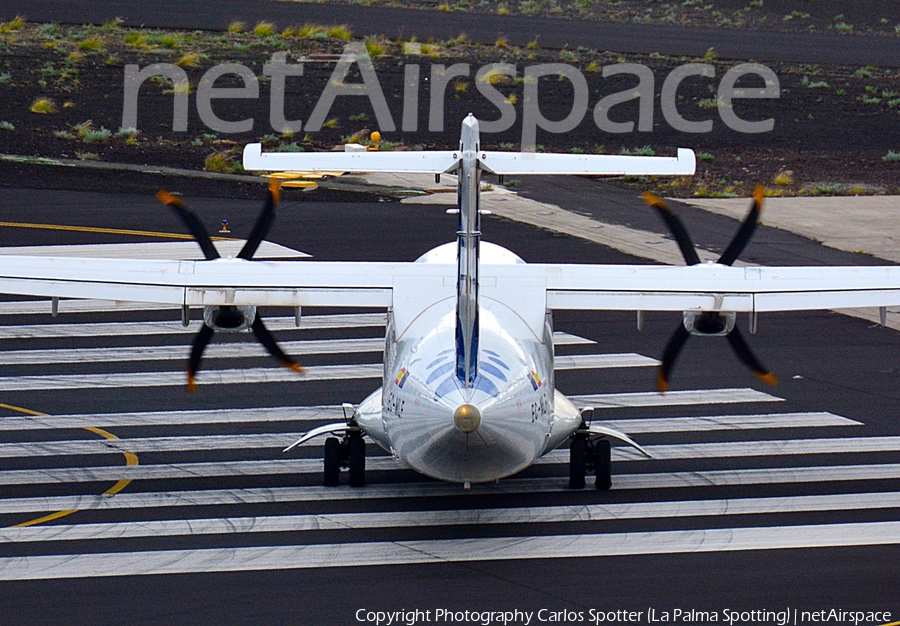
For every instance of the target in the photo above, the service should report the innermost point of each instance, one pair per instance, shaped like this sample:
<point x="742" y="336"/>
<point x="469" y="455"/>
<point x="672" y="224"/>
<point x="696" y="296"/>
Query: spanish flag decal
<point x="401" y="377"/>
<point x="535" y="379"/>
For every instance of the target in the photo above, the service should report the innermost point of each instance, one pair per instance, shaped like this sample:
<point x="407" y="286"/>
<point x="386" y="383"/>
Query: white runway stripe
<point x="119" y="329"/>
<point x="230" y="351"/>
<point x="257" y="441"/>
<point x="446" y="551"/>
<point x="729" y="422"/>
<point x="466" y="517"/>
<point x="269" y="374"/>
<point x="174" y="418"/>
<point x="261" y="495"/>
<point x="334" y="413"/>
<point x="673" y="398"/>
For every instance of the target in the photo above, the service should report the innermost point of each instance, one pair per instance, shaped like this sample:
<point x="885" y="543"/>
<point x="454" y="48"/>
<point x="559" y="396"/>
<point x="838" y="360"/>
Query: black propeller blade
<point x="711" y="323"/>
<point x="670" y="354"/>
<point x="230" y="316"/>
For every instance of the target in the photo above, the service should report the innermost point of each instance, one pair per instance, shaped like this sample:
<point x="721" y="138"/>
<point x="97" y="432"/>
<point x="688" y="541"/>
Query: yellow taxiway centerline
<point x="130" y="459"/>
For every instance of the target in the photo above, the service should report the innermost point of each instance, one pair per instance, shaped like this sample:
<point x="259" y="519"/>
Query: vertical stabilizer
<point x="468" y="237"/>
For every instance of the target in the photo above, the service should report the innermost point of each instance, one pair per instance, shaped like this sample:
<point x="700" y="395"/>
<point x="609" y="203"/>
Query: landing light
<point x="467" y="418"/>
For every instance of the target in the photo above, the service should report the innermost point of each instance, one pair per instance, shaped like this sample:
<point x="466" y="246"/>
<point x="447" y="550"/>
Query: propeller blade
<point x="193" y="223"/>
<point x="676" y="227"/>
<point x="201" y="340"/>
<point x="268" y="341"/>
<point x="743" y="352"/>
<point x="673" y="349"/>
<point x="742" y="237"/>
<point x="263" y="223"/>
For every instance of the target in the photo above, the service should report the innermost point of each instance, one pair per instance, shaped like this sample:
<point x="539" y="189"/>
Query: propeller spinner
<point x="230" y="317"/>
<point x="710" y="323"/>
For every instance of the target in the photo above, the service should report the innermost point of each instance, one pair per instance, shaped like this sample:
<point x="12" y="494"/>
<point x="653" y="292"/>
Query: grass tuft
<point x="191" y="60"/>
<point x="223" y="162"/>
<point x="236" y="27"/>
<point x="43" y="106"/>
<point x="4" y="125"/>
<point x="264" y="29"/>
<point x="91" y="44"/>
<point x="891" y="157"/>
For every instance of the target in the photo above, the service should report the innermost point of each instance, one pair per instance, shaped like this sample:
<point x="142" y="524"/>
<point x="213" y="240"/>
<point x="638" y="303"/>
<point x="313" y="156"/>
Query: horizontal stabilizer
<point x="523" y="163"/>
<point x="419" y="162"/>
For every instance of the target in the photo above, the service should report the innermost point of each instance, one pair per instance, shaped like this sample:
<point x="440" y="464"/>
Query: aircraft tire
<point x="577" y="462"/>
<point x="332" y="462"/>
<point x="604" y="465"/>
<point x="357" y="461"/>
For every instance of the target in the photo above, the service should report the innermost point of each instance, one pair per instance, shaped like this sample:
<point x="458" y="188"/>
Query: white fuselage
<point x="521" y="417"/>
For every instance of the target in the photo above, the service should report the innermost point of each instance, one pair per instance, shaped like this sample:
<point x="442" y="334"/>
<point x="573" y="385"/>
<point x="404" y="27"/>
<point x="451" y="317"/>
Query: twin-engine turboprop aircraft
<point x="468" y="391"/>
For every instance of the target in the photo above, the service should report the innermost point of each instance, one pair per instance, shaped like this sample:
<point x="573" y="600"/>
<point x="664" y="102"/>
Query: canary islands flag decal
<point x="535" y="379"/>
<point x="401" y="377"/>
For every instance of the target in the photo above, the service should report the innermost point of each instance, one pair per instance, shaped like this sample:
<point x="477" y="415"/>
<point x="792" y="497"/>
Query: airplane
<point x="468" y="392"/>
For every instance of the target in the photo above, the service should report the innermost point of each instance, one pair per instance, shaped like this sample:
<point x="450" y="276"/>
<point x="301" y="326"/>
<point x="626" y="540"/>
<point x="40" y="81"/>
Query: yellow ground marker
<point x="106" y="231"/>
<point x="130" y="459"/>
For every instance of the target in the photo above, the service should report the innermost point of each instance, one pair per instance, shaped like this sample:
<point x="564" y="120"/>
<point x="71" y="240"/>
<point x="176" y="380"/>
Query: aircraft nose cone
<point x="467" y="418"/>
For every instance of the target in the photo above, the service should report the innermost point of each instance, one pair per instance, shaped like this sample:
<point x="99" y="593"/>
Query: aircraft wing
<point x="523" y="163"/>
<point x="705" y="287"/>
<point x="200" y="283"/>
<point x="712" y="287"/>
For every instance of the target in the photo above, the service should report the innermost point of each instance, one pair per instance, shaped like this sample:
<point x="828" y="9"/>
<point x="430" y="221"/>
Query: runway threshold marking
<point x="130" y="459"/>
<point x="465" y="517"/>
<point x="447" y="551"/>
<point x="105" y="231"/>
<point x="281" y="495"/>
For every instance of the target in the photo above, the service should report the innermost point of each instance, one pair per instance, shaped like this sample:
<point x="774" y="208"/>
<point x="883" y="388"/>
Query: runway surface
<point x="171" y="508"/>
<point x="442" y="25"/>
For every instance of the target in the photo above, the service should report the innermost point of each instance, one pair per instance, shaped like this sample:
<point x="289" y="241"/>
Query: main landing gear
<point x="589" y="453"/>
<point x="348" y="452"/>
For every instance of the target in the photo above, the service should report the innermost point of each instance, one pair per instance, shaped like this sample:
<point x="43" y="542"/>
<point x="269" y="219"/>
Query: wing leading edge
<point x="705" y="287"/>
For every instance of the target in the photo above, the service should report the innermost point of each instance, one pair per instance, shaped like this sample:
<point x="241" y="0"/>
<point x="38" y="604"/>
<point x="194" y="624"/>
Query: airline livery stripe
<point x="334" y="413"/>
<point x="261" y="495"/>
<point x="446" y="551"/>
<point x="268" y="374"/>
<point x="465" y="517"/>
<point x="233" y="350"/>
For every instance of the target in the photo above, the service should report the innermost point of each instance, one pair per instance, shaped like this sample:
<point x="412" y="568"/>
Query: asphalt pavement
<point x="442" y="25"/>
<point x="759" y="498"/>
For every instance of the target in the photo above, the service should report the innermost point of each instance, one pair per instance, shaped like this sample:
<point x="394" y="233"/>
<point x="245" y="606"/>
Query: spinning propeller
<point x="709" y="323"/>
<point x="227" y="317"/>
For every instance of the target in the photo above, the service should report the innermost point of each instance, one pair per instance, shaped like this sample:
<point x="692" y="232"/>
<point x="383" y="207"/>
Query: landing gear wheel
<point x="357" y="461"/>
<point x="603" y="464"/>
<point x="577" y="461"/>
<point x="332" y="462"/>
